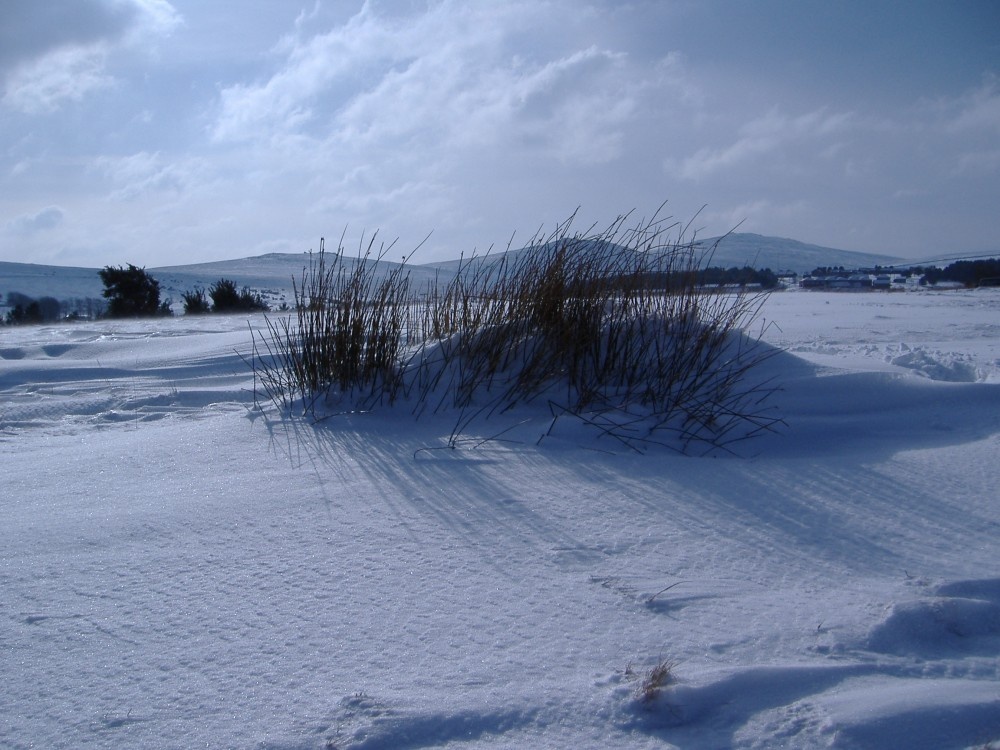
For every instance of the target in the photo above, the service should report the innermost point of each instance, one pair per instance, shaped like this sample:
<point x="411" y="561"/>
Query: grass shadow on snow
<point x="468" y="492"/>
<point x="828" y="503"/>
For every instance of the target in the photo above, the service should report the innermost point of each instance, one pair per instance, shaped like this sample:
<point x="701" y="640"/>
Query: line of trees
<point x="970" y="273"/>
<point x="226" y="298"/>
<point x="25" y="310"/>
<point x="716" y="276"/>
<point x="746" y="276"/>
<point x="132" y="292"/>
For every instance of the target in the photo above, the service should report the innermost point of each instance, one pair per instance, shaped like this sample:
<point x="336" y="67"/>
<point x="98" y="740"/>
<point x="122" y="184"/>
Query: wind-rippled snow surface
<point x="179" y="569"/>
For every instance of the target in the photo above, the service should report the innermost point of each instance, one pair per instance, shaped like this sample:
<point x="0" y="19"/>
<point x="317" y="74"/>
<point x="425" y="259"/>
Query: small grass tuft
<point x="652" y="682"/>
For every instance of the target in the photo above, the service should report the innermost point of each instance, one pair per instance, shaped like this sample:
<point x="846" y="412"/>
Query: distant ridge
<point x="758" y="251"/>
<point x="781" y="254"/>
<point x="274" y="271"/>
<point x="61" y="282"/>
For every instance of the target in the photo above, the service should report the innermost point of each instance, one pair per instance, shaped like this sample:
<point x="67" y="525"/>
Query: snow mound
<point x="936" y="365"/>
<point x="931" y="714"/>
<point x="964" y="617"/>
<point x="834" y="706"/>
<point x="927" y="671"/>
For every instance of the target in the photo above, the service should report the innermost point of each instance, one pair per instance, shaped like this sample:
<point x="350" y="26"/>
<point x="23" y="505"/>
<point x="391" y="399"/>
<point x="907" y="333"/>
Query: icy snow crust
<point x="179" y="569"/>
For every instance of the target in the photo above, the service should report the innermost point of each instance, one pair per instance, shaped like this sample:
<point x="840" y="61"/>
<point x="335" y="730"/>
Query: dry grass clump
<point x="651" y="683"/>
<point x="348" y="333"/>
<point x="609" y="327"/>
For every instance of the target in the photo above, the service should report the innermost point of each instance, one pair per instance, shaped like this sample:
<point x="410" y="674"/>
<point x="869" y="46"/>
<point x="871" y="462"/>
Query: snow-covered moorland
<point x="179" y="569"/>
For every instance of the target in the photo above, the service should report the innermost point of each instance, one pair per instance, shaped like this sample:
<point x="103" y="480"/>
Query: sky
<point x="161" y="132"/>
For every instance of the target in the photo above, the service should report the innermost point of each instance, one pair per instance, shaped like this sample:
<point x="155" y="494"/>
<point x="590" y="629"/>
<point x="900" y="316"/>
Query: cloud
<point x="745" y="217"/>
<point x="66" y="74"/>
<point x="569" y="108"/>
<point x="459" y="115"/>
<point x="142" y="173"/>
<point x="249" y="112"/>
<point x="772" y="133"/>
<point x="456" y="74"/>
<point x="976" y="110"/>
<point x="44" y="64"/>
<point x="29" y="31"/>
<point x="29" y="224"/>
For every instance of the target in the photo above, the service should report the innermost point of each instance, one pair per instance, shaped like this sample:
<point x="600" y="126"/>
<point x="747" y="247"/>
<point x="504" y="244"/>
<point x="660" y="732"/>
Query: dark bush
<point x="50" y="308"/>
<point x="131" y="292"/>
<point x="25" y="310"/>
<point x="226" y="298"/>
<point x="25" y="314"/>
<point x="196" y="302"/>
<point x="967" y="272"/>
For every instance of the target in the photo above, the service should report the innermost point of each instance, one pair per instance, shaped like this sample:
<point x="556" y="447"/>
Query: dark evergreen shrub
<point x="131" y="292"/>
<point x="226" y="298"/>
<point x="196" y="302"/>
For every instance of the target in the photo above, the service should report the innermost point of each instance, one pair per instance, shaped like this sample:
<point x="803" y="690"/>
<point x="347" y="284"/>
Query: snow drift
<point x="182" y="569"/>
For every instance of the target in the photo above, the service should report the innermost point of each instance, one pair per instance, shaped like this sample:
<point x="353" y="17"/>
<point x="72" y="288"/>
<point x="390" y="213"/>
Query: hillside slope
<point x="274" y="273"/>
<point x="780" y="254"/>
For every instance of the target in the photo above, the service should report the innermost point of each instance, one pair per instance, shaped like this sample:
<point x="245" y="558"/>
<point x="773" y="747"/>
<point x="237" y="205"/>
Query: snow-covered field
<point x="179" y="570"/>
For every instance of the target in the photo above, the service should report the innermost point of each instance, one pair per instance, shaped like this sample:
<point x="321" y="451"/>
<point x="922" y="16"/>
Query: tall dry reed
<point x="609" y="327"/>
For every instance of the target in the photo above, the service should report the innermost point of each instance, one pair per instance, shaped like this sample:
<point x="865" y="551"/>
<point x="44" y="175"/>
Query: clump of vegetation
<point x="651" y="683"/>
<point x="25" y="310"/>
<point x="970" y="273"/>
<point x="196" y="302"/>
<point x="348" y="333"/>
<point x="610" y="327"/>
<point x="226" y="298"/>
<point x="131" y="292"/>
<point x="746" y="276"/>
<point x="21" y="315"/>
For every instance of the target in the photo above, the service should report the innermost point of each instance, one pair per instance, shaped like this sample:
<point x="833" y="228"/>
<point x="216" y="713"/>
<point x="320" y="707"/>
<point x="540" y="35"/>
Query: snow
<point x="179" y="569"/>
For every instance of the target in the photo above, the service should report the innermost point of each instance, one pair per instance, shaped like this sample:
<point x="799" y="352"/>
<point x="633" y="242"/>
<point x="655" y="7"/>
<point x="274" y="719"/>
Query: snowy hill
<point x="61" y="282"/>
<point x="758" y="251"/>
<point x="273" y="273"/>
<point x="780" y="254"/>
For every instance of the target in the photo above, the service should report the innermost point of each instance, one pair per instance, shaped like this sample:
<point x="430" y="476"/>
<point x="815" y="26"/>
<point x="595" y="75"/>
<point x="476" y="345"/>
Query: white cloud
<point x="52" y="64"/>
<point x="976" y="110"/>
<point x="471" y="119"/>
<point x="568" y="108"/>
<point x="457" y="116"/>
<point x="252" y="112"/>
<point x="769" y="134"/>
<point x="67" y="74"/>
<point x="154" y="17"/>
<point x="453" y="75"/>
<point x="142" y="173"/>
